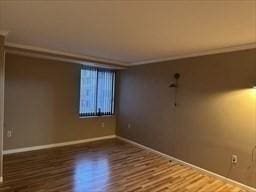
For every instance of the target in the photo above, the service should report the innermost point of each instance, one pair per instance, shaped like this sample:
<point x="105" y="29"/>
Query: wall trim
<point x="199" y="53"/>
<point x="220" y="177"/>
<point x="38" y="52"/>
<point x="26" y="149"/>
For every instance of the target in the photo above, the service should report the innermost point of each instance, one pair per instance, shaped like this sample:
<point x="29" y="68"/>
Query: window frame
<point x="112" y="113"/>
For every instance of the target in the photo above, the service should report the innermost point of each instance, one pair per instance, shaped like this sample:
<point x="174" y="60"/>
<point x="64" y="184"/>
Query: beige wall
<point x="215" y="116"/>
<point x="2" y="74"/>
<point x="41" y="104"/>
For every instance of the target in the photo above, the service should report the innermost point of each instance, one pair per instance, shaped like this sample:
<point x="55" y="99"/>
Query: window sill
<point x="93" y="117"/>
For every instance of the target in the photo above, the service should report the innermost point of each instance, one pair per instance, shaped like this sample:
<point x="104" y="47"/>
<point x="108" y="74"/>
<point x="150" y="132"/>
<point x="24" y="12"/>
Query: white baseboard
<point x="19" y="150"/>
<point x="225" y="179"/>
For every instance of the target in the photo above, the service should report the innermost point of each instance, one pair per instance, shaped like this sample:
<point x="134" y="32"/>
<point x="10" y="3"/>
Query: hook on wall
<point x="175" y="85"/>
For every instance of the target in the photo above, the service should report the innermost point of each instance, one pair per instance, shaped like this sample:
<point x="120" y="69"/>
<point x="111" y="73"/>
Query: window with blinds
<point x="97" y="88"/>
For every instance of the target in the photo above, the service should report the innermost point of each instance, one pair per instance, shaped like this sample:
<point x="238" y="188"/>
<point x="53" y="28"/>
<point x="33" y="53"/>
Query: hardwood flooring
<point x="105" y="166"/>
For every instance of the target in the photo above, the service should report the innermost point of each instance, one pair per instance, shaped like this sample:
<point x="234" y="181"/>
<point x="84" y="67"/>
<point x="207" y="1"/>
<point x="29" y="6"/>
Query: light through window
<point x="96" y="92"/>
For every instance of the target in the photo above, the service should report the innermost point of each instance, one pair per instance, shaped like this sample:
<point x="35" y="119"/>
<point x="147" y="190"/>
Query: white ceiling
<point x="130" y="32"/>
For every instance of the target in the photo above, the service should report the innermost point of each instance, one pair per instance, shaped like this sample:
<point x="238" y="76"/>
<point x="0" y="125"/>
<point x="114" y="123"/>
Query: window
<point x="96" y="92"/>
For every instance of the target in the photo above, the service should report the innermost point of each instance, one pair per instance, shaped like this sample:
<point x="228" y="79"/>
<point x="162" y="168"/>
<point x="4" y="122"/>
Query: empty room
<point x="127" y="95"/>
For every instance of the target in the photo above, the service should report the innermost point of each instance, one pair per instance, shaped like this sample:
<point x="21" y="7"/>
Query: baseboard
<point x="19" y="150"/>
<point x="225" y="179"/>
<point x="1" y="179"/>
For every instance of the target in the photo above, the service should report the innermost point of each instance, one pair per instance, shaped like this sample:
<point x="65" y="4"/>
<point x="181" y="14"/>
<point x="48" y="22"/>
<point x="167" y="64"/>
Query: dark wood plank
<point x="105" y="166"/>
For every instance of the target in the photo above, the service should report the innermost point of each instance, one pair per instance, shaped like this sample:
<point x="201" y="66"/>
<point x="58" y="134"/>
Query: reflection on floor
<point x="104" y="166"/>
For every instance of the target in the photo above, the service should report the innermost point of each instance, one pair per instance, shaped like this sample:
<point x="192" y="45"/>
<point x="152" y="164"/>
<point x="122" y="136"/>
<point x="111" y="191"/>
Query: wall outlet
<point x="9" y="133"/>
<point x="102" y="124"/>
<point x="234" y="159"/>
<point x="129" y="125"/>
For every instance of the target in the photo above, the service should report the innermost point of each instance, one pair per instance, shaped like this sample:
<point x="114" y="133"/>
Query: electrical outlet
<point x="102" y="124"/>
<point x="9" y="133"/>
<point x="234" y="159"/>
<point x="129" y="125"/>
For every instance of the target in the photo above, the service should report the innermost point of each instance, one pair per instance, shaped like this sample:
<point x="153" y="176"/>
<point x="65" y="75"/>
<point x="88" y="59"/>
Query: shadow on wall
<point x="232" y="130"/>
<point x="42" y="104"/>
<point x="215" y="116"/>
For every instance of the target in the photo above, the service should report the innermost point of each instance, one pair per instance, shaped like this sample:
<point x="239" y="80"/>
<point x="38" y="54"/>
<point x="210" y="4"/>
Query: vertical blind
<point x="96" y="92"/>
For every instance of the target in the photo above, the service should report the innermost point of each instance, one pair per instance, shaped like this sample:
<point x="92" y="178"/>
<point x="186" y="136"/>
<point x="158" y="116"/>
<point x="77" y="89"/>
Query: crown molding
<point x="197" y="54"/>
<point x="37" y="52"/>
<point x="32" y="51"/>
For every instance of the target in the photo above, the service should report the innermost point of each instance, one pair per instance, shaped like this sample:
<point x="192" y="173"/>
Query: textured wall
<point x="215" y="116"/>
<point x="41" y="102"/>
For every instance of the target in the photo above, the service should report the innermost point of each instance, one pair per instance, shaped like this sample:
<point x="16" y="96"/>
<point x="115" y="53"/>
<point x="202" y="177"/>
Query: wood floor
<point x="103" y="166"/>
